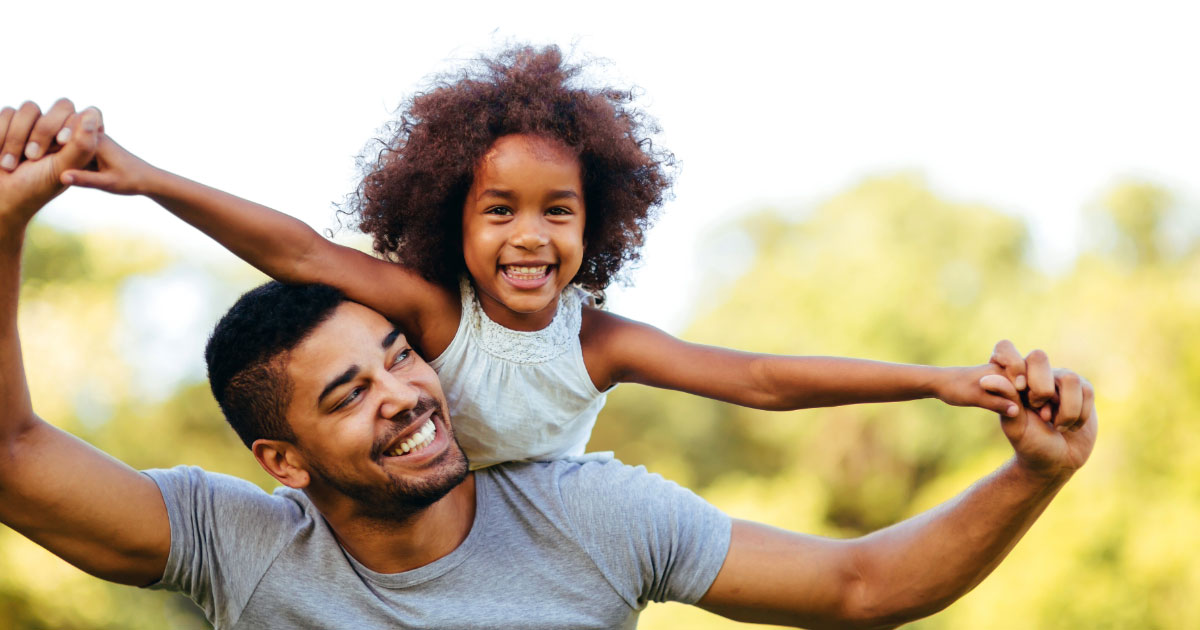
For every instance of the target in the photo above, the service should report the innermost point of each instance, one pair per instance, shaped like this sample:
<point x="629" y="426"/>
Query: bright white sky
<point x="1031" y="107"/>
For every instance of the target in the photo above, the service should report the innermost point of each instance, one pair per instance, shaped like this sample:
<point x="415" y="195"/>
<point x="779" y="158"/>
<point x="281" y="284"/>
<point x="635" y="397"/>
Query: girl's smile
<point x="523" y="223"/>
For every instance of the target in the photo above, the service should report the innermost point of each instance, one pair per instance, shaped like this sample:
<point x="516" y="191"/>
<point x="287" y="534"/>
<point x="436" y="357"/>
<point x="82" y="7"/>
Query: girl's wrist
<point x="935" y="381"/>
<point x="153" y="182"/>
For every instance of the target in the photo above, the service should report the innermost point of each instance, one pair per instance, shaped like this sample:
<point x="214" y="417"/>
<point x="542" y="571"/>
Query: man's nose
<point x="399" y="396"/>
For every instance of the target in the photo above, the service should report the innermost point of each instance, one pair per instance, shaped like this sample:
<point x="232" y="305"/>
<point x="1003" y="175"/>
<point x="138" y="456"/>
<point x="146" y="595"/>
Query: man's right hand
<point x="1055" y="431"/>
<point x="60" y="140"/>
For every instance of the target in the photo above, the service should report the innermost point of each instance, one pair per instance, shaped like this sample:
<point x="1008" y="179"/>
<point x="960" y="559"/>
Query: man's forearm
<point x="905" y="572"/>
<point x="919" y="566"/>
<point x="16" y="411"/>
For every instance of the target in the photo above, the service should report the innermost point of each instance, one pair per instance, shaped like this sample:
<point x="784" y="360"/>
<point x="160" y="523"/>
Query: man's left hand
<point x="31" y="183"/>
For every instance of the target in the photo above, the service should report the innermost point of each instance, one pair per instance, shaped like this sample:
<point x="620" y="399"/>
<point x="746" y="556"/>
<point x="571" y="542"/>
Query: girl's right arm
<point x="282" y="246"/>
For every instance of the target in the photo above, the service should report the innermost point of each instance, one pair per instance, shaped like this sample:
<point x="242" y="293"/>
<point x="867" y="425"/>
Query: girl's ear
<point x="283" y="461"/>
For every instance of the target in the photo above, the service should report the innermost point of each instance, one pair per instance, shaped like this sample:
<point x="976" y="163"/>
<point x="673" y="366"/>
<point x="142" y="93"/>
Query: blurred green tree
<point x="890" y="271"/>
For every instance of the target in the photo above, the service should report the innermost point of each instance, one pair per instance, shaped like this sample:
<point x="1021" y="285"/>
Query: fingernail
<point x="33" y="150"/>
<point x="1019" y="382"/>
<point x="8" y="162"/>
<point x="1012" y="411"/>
<point x="64" y="136"/>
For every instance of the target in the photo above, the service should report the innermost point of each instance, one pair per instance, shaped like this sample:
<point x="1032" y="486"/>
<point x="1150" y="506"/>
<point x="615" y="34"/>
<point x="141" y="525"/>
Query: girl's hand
<point x="962" y="387"/>
<point x="116" y="171"/>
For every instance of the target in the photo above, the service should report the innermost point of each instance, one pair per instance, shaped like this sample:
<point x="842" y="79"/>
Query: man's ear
<point x="283" y="461"/>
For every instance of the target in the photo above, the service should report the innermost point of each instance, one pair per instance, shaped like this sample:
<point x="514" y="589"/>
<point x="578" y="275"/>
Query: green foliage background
<point x="886" y="270"/>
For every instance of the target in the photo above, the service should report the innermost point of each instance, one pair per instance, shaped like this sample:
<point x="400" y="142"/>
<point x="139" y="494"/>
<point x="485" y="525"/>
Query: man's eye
<point x="401" y="356"/>
<point x="351" y="397"/>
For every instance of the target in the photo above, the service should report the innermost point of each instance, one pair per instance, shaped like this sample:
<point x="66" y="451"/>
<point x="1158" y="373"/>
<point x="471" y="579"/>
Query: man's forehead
<point x="350" y="334"/>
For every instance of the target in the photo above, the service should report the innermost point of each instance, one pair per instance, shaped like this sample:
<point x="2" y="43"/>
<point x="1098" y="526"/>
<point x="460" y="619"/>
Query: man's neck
<point x="387" y="546"/>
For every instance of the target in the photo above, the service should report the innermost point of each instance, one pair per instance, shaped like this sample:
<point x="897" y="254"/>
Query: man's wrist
<point x="12" y="239"/>
<point x="1050" y="478"/>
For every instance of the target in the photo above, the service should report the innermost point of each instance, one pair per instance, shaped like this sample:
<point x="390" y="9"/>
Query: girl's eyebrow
<point x="496" y="192"/>
<point x="565" y="193"/>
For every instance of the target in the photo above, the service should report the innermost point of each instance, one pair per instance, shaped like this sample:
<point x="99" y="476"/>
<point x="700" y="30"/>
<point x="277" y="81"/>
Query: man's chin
<point x="400" y="498"/>
<point x="449" y="470"/>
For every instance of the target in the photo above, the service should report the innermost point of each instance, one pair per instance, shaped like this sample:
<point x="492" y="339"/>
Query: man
<point x="379" y="523"/>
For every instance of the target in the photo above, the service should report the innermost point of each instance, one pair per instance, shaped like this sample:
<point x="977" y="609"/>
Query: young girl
<point x="505" y="200"/>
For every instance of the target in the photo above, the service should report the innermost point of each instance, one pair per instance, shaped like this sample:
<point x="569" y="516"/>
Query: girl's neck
<point x="513" y="320"/>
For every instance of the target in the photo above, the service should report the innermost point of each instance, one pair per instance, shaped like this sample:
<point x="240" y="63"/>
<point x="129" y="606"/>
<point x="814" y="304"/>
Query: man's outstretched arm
<point x="84" y="506"/>
<point x="919" y="566"/>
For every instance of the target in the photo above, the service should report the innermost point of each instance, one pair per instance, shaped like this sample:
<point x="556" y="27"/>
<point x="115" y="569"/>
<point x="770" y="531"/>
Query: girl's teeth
<point x="514" y="270"/>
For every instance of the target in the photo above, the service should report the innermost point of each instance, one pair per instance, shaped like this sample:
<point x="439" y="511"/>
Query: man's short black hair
<point x="247" y="354"/>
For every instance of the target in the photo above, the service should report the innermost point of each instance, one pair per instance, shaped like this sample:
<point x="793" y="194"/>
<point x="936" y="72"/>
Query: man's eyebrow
<point x="342" y="379"/>
<point x="390" y="339"/>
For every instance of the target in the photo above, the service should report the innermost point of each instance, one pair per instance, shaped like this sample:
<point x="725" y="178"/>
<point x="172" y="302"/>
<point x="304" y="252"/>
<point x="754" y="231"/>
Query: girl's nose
<point x="529" y="234"/>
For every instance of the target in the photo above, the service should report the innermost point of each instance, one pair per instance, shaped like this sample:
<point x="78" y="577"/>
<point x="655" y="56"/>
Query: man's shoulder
<point x="569" y="470"/>
<point x="192" y="485"/>
<point x="585" y="485"/>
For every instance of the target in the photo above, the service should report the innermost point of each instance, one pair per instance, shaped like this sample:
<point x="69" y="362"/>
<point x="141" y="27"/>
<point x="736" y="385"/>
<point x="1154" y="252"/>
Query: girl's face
<point x="522" y="229"/>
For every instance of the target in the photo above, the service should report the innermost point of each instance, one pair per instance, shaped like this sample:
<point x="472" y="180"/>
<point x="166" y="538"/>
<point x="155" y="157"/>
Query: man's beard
<point x="401" y="497"/>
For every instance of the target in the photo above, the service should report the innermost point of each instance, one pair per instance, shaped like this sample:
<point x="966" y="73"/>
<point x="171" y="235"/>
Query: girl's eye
<point x="558" y="211"/>
<point x="500" y="210"/>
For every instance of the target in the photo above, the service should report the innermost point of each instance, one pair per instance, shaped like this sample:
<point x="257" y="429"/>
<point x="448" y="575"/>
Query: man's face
<point x="369" y="416"/>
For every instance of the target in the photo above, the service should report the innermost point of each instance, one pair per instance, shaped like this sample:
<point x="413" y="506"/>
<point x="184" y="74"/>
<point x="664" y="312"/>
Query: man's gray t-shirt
<point x="554" y="545"/>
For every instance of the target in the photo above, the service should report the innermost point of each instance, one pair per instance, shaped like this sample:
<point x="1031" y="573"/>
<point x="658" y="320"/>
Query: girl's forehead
<point x="524" y="145"/>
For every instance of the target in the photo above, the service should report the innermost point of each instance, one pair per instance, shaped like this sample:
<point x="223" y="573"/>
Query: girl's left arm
<point x="619" y="350"/>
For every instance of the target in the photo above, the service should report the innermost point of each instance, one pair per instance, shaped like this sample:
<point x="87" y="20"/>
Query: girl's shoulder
<point x="605" y="338"/>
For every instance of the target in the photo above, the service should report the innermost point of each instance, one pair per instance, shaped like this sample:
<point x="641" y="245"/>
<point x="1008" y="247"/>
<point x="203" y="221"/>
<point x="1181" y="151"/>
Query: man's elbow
<point x="18" y="426"/>
<point x="871" y="612"/>
<point x="871" y="601"/>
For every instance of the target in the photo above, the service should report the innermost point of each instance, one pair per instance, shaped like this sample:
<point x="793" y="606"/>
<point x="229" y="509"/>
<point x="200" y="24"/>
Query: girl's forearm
<point x="805" y="382"/>
<point x="277" y="244"/>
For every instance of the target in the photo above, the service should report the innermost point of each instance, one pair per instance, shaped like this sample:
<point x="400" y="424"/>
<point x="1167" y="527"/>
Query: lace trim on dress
<point x="519" y="346"/>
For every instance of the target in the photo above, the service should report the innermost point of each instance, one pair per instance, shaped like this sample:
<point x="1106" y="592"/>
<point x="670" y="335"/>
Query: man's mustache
<point x="402" y="421"/>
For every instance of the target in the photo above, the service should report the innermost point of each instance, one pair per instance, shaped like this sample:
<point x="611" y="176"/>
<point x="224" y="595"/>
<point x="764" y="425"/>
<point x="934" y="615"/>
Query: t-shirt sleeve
<point x="652" y="539"/>
<point x="225" y="532"/>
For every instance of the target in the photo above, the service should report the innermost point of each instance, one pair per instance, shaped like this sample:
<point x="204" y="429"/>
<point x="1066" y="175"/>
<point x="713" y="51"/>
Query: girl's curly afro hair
<point x="411" y="197"/>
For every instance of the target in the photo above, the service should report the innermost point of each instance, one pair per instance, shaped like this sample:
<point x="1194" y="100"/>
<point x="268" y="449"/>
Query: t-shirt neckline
<point x="446" y="563"/>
